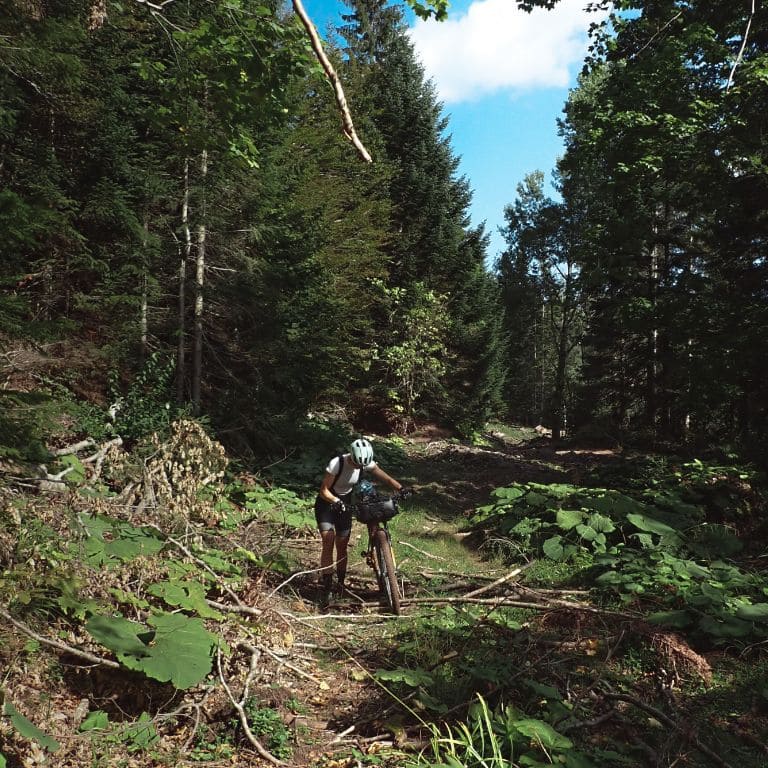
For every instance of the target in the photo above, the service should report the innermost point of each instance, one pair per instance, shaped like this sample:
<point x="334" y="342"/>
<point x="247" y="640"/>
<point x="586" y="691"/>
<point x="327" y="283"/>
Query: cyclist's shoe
<point x="325" y="594"/>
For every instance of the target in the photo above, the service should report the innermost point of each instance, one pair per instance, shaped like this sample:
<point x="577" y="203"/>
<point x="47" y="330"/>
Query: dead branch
<point x="291" y="578"/>
<point x="421" y="551"/>
<point x="246" y="609"/>
<point x="240" y="705"/>
<point x="663" y="718"/>
<point x="341" y="100"/>
<point x="63" y="647"/>
<point x="101" y="454"/>
<point x="498" y="582"/>
<point x="741" y="50"/>
<point x="288" y="665"/>
<point x="75" y="448"/>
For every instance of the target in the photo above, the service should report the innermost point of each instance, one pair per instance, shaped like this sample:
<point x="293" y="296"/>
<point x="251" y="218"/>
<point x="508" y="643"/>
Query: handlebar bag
<point x="376" y="511"/>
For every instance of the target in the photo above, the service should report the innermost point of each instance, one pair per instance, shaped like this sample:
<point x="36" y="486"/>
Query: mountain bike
<point x="376" y="511"/>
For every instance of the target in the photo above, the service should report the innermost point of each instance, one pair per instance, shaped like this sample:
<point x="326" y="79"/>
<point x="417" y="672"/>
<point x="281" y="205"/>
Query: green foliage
<point x="187" y="595"/>
<point x="148" y="404"/>
<point x="266" y="724"/>
<point x="24" y="727"/>
<point x="177" y="648"/>
<point x="137" y="736"/>
<point x="24" y="419"/>
<point x="279" y="505"/>
<point x="653" y="545"/>
<point x="414" y="355"/>
<point x="501" y="738"/>
<point x="110" y="542"/>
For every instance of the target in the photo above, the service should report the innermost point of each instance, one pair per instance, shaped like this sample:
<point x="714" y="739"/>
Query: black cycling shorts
<point x="329" y="519"/>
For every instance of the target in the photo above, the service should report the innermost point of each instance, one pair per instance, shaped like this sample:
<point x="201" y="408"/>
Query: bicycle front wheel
<point x="387" y="575"/>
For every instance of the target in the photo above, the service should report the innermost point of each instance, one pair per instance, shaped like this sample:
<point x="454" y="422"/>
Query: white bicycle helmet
<point x="362" y="452"/>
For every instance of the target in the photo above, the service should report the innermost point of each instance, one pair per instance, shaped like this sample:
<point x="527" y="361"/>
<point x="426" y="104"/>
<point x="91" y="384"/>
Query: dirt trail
<point x="341" y="649"/>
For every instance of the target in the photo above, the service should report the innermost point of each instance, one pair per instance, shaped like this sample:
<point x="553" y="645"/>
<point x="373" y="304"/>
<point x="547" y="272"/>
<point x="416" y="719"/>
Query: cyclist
<point x="334" y="519"/>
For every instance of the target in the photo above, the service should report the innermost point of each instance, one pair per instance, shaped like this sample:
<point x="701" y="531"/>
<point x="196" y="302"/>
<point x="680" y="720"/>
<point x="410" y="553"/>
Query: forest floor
<point x="347" y="712"/>
<point x="346" y="679"/>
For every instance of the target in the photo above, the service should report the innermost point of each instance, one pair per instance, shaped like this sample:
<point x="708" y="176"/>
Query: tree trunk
<point x="143" y="322"/>
<point x="197" y="356"/>
<point x="186" y="252"/>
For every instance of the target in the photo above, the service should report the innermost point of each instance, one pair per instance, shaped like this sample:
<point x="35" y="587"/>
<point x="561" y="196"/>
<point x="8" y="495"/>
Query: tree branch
<point x="317" y="47"/>
<point x="741" y="50"/>
<point x="239" y="705"/>
<point x="57" y="644"/>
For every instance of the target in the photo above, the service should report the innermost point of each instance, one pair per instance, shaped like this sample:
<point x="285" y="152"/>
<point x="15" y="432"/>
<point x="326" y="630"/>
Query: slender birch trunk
<point x="197" y="355"/>
<point x="186" y="253"/>
<point x="143" y="322"/>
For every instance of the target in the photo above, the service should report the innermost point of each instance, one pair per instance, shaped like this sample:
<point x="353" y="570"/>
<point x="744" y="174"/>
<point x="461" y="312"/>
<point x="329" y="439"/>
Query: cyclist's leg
<point x="326" y="525"/>
<point x="343" y="531"/>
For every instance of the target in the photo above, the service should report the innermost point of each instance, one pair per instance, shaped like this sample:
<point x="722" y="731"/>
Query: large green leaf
<point x="118" y="634"/>
<point x="645" y="523"/>
<point x="180" y="650"/>
<point x="677" y="619"/>
<point x="569" y="518"/>
<point x="411" y="677"/>
<point x="756" y="612"/>
<point x="189" y="595"/>
<point x="508" y="494"/>
<point x="553" y="548"/>
<point x="543" y="733"/>
<point x="112" y="541"/>
<point x="28" y="729"/>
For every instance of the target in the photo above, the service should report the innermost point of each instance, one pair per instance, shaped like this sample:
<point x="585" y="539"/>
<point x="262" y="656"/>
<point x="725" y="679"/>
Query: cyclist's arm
<point x="380" y="474"/>
<point x="325" y="488"/>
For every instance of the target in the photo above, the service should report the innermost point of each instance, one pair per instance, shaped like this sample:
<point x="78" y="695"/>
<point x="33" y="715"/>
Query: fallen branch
<point x="58" y="644"/>
<point x="100" y="455"/>
<point x="498" y="582"/>
<point x="240" y="705"/>
<point x="68" y="449"/>
<point x="299" y="672"/>
<point x="246" y="609"/>
<point x="421" y="551"/>
<point x="546" y="605"/>
<point x="663" y="718"/>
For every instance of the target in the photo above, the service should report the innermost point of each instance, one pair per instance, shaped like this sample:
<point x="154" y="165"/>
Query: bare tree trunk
<point x="186" y="252"/>
<point x="197" y="356"/>
<point x="143" y="322"/>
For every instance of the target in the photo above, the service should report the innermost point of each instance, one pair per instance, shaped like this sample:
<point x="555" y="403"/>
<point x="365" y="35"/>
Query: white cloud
<point x="495" y="46"/>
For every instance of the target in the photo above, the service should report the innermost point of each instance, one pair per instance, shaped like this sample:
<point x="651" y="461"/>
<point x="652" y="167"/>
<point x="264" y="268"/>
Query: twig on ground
<point x="291" y="578"/>
<point x="288" y="665"/>
<point x="498" y="582"/>
<point x="341" y="735"/>
<point x="89" y="442"/>
<point x="240" y="705"/>
<point x="57" y="644"/>
<point x="246" y="609"/>
<point x="421" y="551"/>
<point x="663" y="718"/>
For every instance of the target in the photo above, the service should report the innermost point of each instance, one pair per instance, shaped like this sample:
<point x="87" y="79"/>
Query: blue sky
<point x="503" y="77"/>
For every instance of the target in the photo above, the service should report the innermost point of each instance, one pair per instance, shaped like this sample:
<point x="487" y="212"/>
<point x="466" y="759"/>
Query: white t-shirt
<point x="349" y="476"/>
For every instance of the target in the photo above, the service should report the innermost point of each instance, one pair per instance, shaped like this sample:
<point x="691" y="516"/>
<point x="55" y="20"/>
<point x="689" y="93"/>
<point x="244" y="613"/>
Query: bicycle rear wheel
<point x="386" y="566"/>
